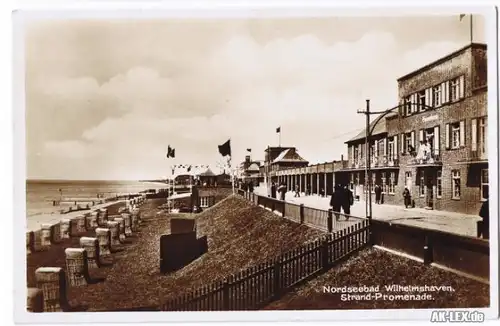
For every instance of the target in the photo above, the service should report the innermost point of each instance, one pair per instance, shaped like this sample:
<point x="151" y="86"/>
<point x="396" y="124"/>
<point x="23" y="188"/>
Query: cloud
<point x="241" y="90"/>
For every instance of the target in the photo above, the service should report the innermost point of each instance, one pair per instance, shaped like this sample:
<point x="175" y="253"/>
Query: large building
<point x="435" y="143"/>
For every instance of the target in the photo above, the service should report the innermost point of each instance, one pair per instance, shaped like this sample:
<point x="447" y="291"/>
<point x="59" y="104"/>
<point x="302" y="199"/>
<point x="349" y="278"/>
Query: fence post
<point x="284" y="209"/>
<point x="277" y="278"/>
<point x="225" y="295"/>
<point x="324" y="254"/>
<point x="428" y="251"/>
<point x="301" y="210"/>
<point x="330" y="220"/>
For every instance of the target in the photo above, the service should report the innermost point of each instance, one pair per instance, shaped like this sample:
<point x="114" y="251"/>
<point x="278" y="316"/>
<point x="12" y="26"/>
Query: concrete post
<point x="91" y="246"/>
<point x="104" y="240"/>
<point x="34" y="302"/>
<point x="317" y="184"/>
<point x="114" y="228"/>
<point x="52" y="282"/>
<point x="312" y="182"/>
<point x="325" y="183"/>
<point x="77" y="266"/>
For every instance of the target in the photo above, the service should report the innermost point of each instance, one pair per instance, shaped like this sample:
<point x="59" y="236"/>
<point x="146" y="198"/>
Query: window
<point x="485" y="186"/>
<point x="454" y="89"/>
<point x="455" y="135"/>
<point x="408" y="147"/>
<point x="351" y="183"/>
<point x="455" y="184"/>
<point x="439" y="184"/>
<point x="421" y="100"/>
<point x="384" y="182"/>
<point x="392" y="182"/>
<point x="374" y="181"/>
<point x="483" y="134"/>
<point x="436" y="96"/>
<point x="356" y="178"/>
<point x="408" y="105"/>
<point x="421" y="186"/>
<point x="390" y="149"/>
<point x="381" y="147"/>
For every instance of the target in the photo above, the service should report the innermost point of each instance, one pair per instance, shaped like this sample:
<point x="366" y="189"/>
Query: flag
<point x="462" y="16"/>
<point x="189" y="168"/>
<point x="249" y="149"/>
<point x="278" y="130"/>
<point x="225" y="149"/>
<point x="170" y="152"/>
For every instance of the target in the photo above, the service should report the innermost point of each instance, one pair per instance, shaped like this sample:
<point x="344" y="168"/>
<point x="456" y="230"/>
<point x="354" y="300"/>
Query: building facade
<point x="435" y="143"/>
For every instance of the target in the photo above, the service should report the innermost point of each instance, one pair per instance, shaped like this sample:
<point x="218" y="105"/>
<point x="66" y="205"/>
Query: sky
<point x="104" y="98"/>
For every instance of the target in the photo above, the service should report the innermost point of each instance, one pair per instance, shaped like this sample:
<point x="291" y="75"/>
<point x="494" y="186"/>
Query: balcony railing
<point x="378" y="161"/>
<point x="430" y="158"/>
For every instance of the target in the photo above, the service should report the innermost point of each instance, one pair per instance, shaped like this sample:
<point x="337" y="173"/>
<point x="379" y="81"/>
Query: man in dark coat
<point x="407" y="197"/>
<point x="250" y="186"/>
<point x="483" y="227"/>
<point x="282" y="191"/>
<point x="378" y="194"/>
<point x="347" y="201"/>
<point x="336" y="201"/>
<point x="273" y="190"/>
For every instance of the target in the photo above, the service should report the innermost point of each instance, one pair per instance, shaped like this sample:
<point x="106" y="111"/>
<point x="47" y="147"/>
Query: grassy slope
<point x="374" y="267"/>
<point x="239" y="235"/>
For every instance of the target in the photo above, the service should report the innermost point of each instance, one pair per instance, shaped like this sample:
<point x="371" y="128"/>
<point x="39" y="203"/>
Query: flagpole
<point x="471" y="33"/>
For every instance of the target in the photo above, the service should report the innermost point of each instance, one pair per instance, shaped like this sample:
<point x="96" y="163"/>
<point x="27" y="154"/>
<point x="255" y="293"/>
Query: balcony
<point x="430" y="159"/>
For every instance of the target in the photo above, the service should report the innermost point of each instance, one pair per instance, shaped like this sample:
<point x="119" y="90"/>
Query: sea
<point x="40" y="194"/>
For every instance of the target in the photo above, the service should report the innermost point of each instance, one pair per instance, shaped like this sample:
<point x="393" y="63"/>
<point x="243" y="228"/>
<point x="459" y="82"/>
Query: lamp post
<point x="368" y="133"/>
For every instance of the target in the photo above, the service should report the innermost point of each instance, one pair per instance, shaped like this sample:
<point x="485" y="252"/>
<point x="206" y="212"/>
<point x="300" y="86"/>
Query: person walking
<point x="347" y="201"/>
<point x="336" y="202"/>
<point x="378" y="194"/>
<point x="282" y="191"/>
<point x="297" y="191"/>
<point x="407" y="197"/>
<point x="250" y="186"/>
<point x="273" y="190"/>
<point x="483" y="227"/>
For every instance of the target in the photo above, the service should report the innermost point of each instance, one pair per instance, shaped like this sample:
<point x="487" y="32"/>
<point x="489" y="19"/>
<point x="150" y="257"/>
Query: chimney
<point x="341" y="157"/>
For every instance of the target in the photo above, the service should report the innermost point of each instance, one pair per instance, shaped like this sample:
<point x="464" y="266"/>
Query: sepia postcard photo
<point x="335" y="162"/>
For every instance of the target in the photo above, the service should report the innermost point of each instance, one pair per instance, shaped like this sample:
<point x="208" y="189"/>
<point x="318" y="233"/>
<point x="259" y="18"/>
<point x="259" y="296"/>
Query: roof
<point x="207" y="173"/>
<point x="289" y="155"/>
<point x="270" y="148"/>
<point x="253" y="167"/>
<point x="442" y="59"/>
<point x="380" y="128"/>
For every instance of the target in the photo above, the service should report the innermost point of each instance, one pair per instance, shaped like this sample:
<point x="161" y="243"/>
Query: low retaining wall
<point x="461" y="253"/>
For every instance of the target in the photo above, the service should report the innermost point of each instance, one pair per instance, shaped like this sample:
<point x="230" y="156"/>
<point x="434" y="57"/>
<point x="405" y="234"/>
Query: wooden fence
<point x="256" y="286"/>
<point x="325" y="220"/>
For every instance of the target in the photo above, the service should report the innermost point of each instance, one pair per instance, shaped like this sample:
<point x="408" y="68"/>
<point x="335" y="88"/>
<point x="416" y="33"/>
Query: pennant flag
<point x="225" y="149"/>
<point x="462" y="16"/>
<point x="249" y="149"/>
<point x="170" y="152"/>
<point x="278" y="130"/>
<point x="189" y="168"/>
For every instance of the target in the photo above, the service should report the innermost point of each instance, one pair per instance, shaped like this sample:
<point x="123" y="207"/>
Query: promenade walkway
<point x="431" y="219"/>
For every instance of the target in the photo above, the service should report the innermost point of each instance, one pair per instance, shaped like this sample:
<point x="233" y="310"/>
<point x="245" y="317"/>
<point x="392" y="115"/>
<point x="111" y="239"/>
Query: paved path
<point x="432" y="219"/>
